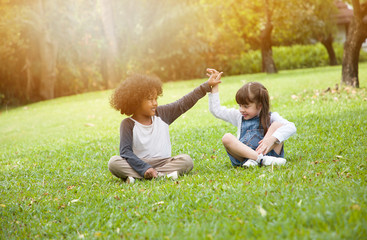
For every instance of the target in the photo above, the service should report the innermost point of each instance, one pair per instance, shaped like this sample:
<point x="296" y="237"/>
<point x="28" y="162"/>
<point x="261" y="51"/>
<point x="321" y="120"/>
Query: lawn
<point x="54" y="181"/>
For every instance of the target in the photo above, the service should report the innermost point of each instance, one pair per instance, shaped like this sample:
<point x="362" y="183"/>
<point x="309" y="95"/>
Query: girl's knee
<point x="227" y="138"/>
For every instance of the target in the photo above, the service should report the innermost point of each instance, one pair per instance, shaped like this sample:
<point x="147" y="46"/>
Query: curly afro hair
<point x="130" y="93"/>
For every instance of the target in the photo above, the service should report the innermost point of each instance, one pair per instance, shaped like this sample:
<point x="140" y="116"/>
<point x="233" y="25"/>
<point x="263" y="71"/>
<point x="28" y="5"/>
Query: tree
<point x="256" y="23"/>
<point x="74" y="29"/>
<point x="48" y="49"/>
<point x="160" y="37"/>
<point x="268" y="64"/>
<point x="12" y="51"/>
<point x="110" y="54"/>
<point x="323" y="25"/>
<point x="247" y="21"/>
<point x="357" y="33"/>
<point x="306" y="22"/>
<point x="56" y="48"/>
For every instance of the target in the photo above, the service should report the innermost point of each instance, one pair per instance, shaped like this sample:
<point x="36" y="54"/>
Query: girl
<point x="260" y="133"/>
<point x="145" y="147"/>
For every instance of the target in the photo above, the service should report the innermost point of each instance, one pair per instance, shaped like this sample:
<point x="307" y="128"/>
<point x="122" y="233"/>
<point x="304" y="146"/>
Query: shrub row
<point x="291" y="57"/>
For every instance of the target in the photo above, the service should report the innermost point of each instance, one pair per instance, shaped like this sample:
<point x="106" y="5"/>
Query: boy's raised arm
<point x="170" y="112"/>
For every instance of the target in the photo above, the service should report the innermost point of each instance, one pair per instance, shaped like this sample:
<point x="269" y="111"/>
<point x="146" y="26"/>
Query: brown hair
<point x="255" y="92"/>
<point x="129" y="95"/>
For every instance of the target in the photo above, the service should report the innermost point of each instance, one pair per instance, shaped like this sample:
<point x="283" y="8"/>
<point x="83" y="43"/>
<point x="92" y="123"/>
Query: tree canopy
<point x="56" y="48"/>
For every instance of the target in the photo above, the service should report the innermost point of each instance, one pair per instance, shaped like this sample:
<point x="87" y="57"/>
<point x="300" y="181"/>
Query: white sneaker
<point x="130" y="180"/>
<point x="173" y="175"/>
<point x="270" y="160"/>
<point x="250" y="163"/>
<point x="161" y="175"/>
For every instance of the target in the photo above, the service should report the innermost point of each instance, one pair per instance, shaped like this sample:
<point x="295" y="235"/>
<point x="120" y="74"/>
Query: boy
<point x="145" y="147"/>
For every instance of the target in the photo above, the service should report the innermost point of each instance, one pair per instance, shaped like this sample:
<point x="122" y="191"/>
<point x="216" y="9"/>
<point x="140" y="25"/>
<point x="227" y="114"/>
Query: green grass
<point x="54" y="181"/>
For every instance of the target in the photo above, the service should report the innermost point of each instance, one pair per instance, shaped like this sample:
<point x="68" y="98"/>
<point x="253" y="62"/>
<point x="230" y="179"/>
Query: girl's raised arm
<point x="214" y="79"/>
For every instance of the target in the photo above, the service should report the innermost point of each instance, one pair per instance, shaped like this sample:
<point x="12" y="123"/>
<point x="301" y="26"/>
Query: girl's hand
<point x="214" y="77"/>
<point x="150" y="173"/>
<point x="266" y="145"/>
<point x="212" y="71"/>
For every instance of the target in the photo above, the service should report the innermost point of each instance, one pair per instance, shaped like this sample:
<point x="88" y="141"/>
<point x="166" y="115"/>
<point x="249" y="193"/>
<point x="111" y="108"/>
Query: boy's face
<point x="149" y="105"/>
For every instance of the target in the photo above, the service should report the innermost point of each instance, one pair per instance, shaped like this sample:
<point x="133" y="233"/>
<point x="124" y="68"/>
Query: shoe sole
<point x="130" y="180"/>
<point x="173" y="175"/>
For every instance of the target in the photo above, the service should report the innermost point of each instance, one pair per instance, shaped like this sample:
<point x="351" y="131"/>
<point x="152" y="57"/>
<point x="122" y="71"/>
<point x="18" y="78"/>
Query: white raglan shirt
<point x="151" y="141"/>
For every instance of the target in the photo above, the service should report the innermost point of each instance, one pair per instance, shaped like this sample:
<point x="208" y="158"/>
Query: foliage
<point x="294" y="22"/>
<point x="168" y="42"/>
<point x="164" y="39"/>
<point x="65" y="22"/>
<point x="172" y="39"/>
<point x="294" y="57"/>
<point x="305" y="21"/>
<point x="12" y="47"/>
<point x="54" y="181"/>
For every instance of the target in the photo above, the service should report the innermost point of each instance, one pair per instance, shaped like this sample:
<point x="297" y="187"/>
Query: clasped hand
<point x="214" y="76"/>
<point x="266" y="145"/>
<point x="150" y="173"/>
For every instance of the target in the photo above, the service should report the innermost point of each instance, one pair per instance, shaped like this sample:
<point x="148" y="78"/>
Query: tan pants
<point x="182" y="163"/>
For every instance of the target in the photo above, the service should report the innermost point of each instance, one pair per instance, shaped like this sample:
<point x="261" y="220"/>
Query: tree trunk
<point x="351" y="59"/>
<point x="268" y="64"/>
<point x="48" y="55"/>
<point x="29" y="87"/>
<point x="328" y="44"/>
<point x="109" y="56"/>
<point x="357" y="33"/>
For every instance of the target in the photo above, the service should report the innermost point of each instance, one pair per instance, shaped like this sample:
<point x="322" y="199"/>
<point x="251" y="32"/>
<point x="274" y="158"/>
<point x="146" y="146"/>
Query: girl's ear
<point x="259" y="106"/>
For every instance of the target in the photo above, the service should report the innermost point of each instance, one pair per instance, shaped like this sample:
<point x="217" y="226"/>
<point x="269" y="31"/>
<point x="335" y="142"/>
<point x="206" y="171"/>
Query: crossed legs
<point x="240" y="151"/>
<point x="182" y="163"/>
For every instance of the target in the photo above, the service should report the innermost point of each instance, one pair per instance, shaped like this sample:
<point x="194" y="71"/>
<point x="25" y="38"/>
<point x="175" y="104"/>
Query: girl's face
<point x="249" y="110"/>
<point x="148" y="106"/>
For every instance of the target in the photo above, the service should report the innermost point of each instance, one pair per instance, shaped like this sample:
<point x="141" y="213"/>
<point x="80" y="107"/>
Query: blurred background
<point x="53" y="48"/>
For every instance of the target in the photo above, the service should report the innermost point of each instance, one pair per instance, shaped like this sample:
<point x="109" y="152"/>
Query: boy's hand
<point x="150" y="173"/>
<point x="214" y="77"/>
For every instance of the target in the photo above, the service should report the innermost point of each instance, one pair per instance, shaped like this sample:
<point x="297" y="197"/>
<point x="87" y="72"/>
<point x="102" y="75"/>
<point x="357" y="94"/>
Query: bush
<point x="292" y="57"/>
<point x="249" y="62"/>
<point x="363" y="55"/>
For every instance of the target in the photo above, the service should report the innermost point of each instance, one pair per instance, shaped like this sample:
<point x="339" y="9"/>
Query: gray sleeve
<point x="170" y="112"/>
<point x="126" y="149"/>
